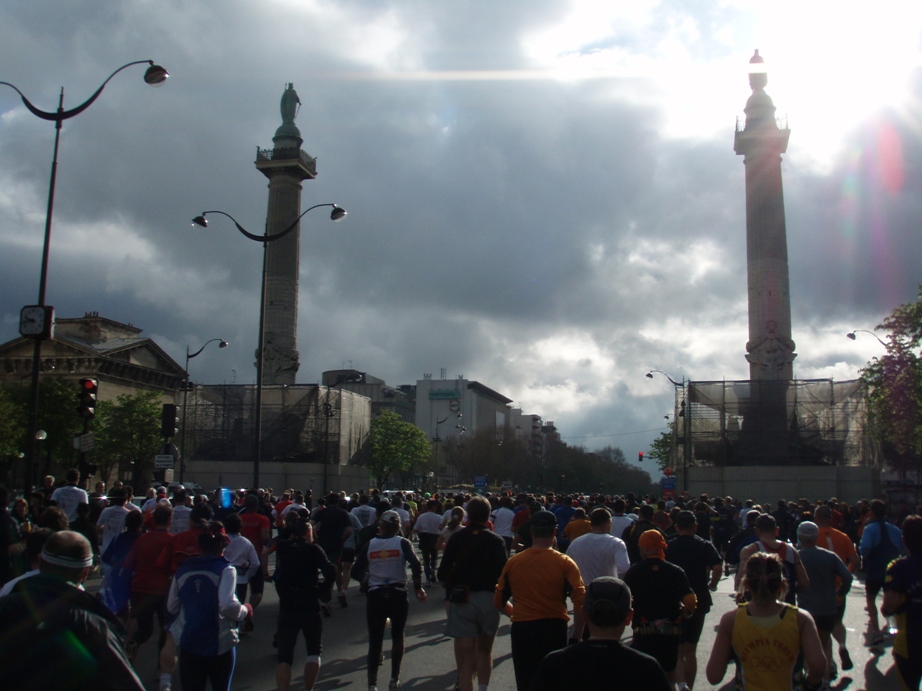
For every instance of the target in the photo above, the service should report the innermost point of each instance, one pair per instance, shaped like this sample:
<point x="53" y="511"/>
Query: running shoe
<point x="395" y="685"/>
<point x="343" y="602"/>
<point x="846" y="658"/>
<point x="327" y="609"/>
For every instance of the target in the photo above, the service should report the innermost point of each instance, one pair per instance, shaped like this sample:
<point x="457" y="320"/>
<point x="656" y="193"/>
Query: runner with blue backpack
<point x="881" y="543"/>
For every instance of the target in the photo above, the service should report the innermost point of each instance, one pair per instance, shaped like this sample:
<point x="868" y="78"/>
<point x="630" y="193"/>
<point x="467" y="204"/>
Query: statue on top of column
<point x="290" y="104"/>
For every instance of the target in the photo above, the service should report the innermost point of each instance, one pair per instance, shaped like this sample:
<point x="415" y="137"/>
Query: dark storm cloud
<point x="545" y="237"/>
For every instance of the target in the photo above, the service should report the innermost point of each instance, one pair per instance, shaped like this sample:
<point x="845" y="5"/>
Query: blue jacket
<point x="204" y="588"/>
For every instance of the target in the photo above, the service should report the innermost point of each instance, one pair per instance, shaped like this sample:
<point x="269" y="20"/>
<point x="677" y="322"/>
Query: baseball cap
<point x="808" y="530"/>
<point x="608" y="589"/>
<point x="391" y="517"/>
<point x="544" y="519"/>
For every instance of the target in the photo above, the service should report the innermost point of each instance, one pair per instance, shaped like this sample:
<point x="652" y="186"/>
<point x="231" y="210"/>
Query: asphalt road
<point x="428" y="663"/>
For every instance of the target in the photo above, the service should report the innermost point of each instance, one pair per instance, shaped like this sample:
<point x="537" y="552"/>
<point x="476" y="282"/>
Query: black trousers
<point x="195" y="671"/>
<point x="384" y="603"/>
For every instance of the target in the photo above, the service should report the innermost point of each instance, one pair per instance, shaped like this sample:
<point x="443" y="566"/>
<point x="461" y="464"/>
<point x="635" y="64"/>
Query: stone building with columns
<point x="116" y="354"/>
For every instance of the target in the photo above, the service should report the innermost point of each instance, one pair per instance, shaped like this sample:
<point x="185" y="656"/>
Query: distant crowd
<point x="190" y="569"/>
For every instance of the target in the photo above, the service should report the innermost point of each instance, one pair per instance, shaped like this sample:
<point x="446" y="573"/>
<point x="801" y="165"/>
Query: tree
<point x="893" y="386"/>
<point x="128" y="430"/>
<point x="12" y="425"/>
<point x="661" y="448"/>
<point x="395" y="446"/>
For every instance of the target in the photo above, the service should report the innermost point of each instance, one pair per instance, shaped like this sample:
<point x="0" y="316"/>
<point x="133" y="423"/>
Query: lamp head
<point x="338" y="213"/>
<point x="156" y="75"/>
<point x="850" y="335"/>
<point x="649" y="375"/>
<point x="200" y="221"/>
<point x="223" y="344"/>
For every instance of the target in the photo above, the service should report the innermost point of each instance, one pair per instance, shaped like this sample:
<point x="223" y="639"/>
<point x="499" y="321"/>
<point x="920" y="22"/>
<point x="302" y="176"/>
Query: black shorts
<point x="692" y="628"/>
<point x="291" y="621"/>
<point x="826" y="623"/>
<point x="664" y="648"/>
<point x="872" y="588"/>
<point x="348" y="555"/>
<point x="257" y="584"/>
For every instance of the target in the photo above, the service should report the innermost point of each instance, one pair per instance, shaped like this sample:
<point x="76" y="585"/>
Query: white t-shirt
<point x="502" y="521"/>
<point x="68" y="498"/>
<point x="180" y="519"/>
<point x="599" y="554"/>
<point x="112" y="519"/>
<point x="428" y="522"/>
<point x="365" y="513"/>
<point x="618" y="524"/>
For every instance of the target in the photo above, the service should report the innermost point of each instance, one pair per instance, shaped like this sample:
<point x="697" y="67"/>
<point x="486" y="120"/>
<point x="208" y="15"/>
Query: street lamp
<point x="438" y="439"/>
<point x="686" y="444"/>
<point x="185" y="394"/>
<point x="337" y="214"/>
<point x="851" y="335"/>
<point x="155" y="76"/>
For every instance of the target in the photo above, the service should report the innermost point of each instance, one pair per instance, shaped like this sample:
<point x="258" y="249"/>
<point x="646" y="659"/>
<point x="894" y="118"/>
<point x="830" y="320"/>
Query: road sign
<point x="87" y="442"/>
<point x="162" y="461"/>
<point x="480" y="484"/>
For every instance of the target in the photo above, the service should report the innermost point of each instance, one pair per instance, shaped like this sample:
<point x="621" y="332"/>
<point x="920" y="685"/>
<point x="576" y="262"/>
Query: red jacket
<point x="143" y="560"/>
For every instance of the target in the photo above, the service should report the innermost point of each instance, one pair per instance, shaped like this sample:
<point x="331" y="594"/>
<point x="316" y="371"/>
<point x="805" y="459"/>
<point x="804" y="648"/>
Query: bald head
<point x="67" y="554"/>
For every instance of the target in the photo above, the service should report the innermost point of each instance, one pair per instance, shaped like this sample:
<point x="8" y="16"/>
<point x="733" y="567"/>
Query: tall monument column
<point x="770" y="350"/>
<point x="286" y="166"/>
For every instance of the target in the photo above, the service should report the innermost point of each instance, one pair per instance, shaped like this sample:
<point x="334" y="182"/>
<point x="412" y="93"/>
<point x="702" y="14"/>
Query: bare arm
<point x="723" y="648"/>
<point x="892" y="603"/>
<point x="814" y="657"/>
<point x="803" y="580"/>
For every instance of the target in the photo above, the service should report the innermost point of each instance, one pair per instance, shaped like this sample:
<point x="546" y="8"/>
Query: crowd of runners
<point x="189" y="571"/>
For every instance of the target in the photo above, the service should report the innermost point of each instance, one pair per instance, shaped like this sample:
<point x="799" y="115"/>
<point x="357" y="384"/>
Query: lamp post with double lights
<point x="682" y="413"/>
<point x="37" y="321"/>
<point x="337" y="214"/>
<point x="185" y="394"/>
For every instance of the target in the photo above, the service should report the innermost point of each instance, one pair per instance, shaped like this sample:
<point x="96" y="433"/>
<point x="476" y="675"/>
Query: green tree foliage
<point x="57" y="415"/>
<point x="661" y="449"/>
<point x="128" y="431"/>
<point x="395" y="446"/>
<point x="893" y="385"/>
<point x="12" y="425"/>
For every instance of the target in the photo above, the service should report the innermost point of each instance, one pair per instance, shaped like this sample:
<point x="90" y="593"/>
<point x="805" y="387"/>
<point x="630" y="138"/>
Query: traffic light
<point x="169" y="422"/>
<point x="86" y="398"/>
<point x="640" y="456"/>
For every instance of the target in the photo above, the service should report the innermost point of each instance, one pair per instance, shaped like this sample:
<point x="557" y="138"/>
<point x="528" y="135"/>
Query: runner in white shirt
<point x="68" y="497"/>
<point x="181" y="512"/>
<point x="502" y="521"/>
<point x="112" y="519"/>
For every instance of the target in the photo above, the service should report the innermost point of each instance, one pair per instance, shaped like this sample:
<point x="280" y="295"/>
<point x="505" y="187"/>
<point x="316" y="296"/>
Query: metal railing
<point x="287" y="154"/>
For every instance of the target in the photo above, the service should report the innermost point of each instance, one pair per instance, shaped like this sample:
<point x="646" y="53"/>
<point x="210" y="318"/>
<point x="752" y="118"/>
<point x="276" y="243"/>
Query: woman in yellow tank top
<point x="766" y="634"/>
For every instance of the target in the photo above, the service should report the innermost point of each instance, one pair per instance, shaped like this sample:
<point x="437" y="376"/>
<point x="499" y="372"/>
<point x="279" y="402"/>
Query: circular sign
<point x="454" y="405"/>
<point x="667" y="471"/>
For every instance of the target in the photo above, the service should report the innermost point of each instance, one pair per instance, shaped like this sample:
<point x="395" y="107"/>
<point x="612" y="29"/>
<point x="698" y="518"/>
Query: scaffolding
<point x="300" y="424"/>
<point x="816" y="422"/>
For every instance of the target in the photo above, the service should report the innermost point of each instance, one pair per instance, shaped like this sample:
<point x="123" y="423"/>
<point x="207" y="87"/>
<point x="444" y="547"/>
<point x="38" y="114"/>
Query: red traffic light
<point x="87" y="397"/>
<point x="640" y="456"/>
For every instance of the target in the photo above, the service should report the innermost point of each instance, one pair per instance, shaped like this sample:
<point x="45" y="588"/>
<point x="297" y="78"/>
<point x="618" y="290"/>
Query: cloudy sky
<point x="543" y="194"/>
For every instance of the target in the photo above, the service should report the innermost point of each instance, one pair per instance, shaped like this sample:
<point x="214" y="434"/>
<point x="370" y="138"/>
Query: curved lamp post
<point x="155" y="76"/>
<point x="675" y="429"/>
<point x="185" y="393"/>
<point x="337" y="214"/>
<point x="851" y="335"/>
